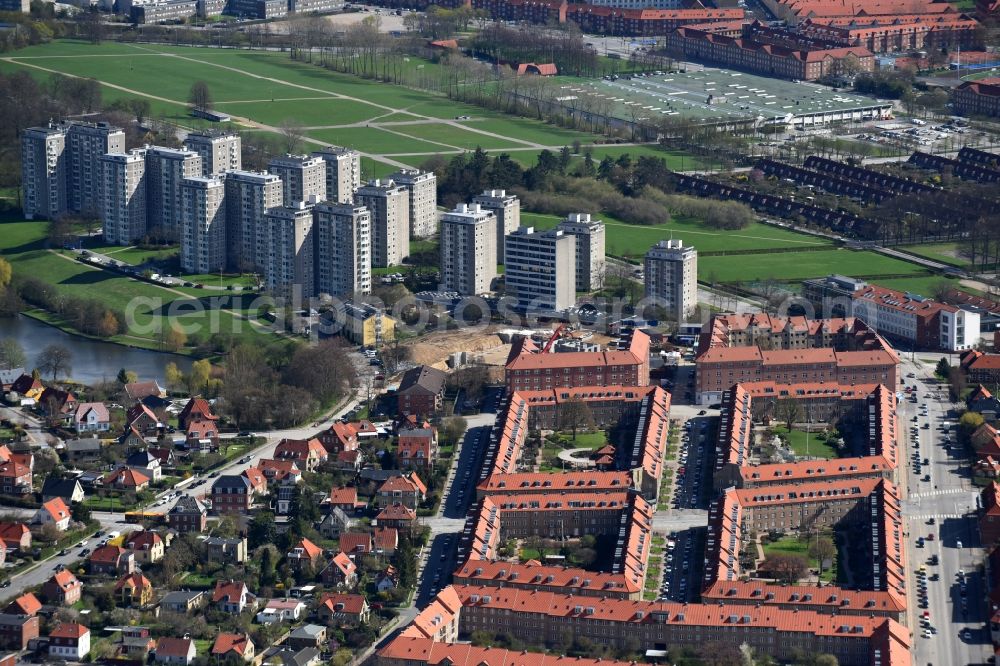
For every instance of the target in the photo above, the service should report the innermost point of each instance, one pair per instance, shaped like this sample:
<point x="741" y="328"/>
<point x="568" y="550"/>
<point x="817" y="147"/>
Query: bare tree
<point x="200" y="96"/>
<point x="55" y="360"/>
<point x="574" y="415"/>
<point x="292" y="132"/>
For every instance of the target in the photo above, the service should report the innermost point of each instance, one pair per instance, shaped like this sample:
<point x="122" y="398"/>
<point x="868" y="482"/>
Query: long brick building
<point x="736" y="349"/>
<point x="530" y="369"/>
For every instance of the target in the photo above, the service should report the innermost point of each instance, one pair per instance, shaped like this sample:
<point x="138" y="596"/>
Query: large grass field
<point x="268" y="88"/>
<point x="632" y="240"/>
<point x="795" y="266"/>
<point x="22" y="243"/>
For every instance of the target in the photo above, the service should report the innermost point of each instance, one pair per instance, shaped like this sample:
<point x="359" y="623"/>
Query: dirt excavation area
<point x="480" y="346"/>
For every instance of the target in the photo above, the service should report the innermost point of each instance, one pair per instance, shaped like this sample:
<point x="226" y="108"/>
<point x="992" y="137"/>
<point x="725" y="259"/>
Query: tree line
<point x="635" y="191"/>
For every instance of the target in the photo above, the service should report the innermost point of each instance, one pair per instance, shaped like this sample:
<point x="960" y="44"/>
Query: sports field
<point x="796" y="266"/>
<point x="390" y="125"/>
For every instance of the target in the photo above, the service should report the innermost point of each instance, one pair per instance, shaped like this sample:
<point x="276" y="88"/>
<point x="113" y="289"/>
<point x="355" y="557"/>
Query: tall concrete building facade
<point x="507" y="209"/>
<point x="166" y="169"/>
<point x="671" y="278"/>
<point x="590" y="264"/>
<point x="86" y="143"/>
<point x="468" y="250"/>
<point x="343" y="172"/>
<point x="203" y="224"/>
<point x="43" y="172"/>
<point x="343" y="239"/>
<point x="389" y="205"/>
<point x="303" y="178"/>
<point x="422" y="189"/>
<point x="60" y="167"/>
<point x="287" y="257"/>
<point x="249" y="196"/>
<point x="220" y="151"/>
<point x="540" y="269"/>
<point x="122" y="196"/>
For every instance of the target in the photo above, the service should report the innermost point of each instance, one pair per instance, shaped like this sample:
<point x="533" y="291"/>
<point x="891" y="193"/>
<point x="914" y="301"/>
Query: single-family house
<point x="62" y="589"/>
<point x="54" y="512"/>
<point x="26" y="604"/>
<point x="132" y="439"/>
<point x="334" y="524"/>
<point x="69" y="641"/>
<point x="236" y="645"/>
<point x="136" y="391"/>
<point x="69" y="490"/>
<point x="385" y="541"/>
<point x="188" y="514"/>
<point x="281" y="610"/>
<point x="17" y="631"/>
<point x="111" y="561"/>
<point x="258" y="482"/>
<point x="183" y="601"/>
<point x="307" y="636"/>
<point x="398" y="516"/>
<point x="341" y="571"/>
<point x="339" y="437"/>
<point x="232" y="493"/>
<point x="283" y="477"/>
<point x="345" y="499"/>
<point x="91" y="417"/>
<point x="8" y="377"/>
<point x="136" y="643"/>
<point x="406" y="489"/>
<point x="143" y="420"/>
<point x="87" y="449"/>
<point x="348" y="461"/>
<point x="343" y="609"/>
<point x="983" y="402"/>
<point x="196" y="409"/>
<point x="175" y="651"/>
<point x="27" y="387"/>
<point x="387" y="579"/>
<point x="15" y="537"/>
<point x="421" y="391"/>
<point x="417" y="447"/>
<point x="134" y="590"/>
<point x="126" y="478"/>
<point x="356" y="543"/>
<point x="202" y="435"/>
<point x="15" y="478"/>
<point x="162" y="453"/>
<point x="145" y="463"/>
<point x="147" y="546"/>
<point x="224" y="549"/>
<point x="308" y="454"/>
<point x="304" y="553"/>
<point x="232" y="597"/>
<point x="58" y="405"/>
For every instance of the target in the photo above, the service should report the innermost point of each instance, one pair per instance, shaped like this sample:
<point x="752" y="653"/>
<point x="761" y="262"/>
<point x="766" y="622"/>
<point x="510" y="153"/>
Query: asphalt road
<point x="43" y="570"/>
<point x="959" y="636"/>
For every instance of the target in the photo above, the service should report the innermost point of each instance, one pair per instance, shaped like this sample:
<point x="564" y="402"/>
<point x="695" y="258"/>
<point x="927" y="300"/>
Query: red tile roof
<point x="226" y="643"/>
<point x="69" y="630"/>
<point x="343" y="603"/>
<point x="228" y="591"/>
<point x="173" y="647"/>
<point x="26" y="604"/>
<point x="355" y="542"/>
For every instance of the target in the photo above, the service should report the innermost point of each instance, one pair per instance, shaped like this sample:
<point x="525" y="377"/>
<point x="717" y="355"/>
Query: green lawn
<point x="675" y="159"/>
<point x="452" y="136"/>
<point x="795" y="266"/>
<point x="309" y="111"/>
<point x="136" y="256"/>
<point x="790" y="545"/>
<point x="268" y="87"/>
<point x="807" y="445"/>
<point x="372" y="140"/>
<point x="924" y="285"/>
<point x="23" y="244"/>
<point x="633" y="240"/>
<point x="946" y="253"/>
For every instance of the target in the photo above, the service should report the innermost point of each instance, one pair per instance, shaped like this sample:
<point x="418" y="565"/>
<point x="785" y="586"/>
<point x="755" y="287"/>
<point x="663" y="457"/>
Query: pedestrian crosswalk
<point x="942" y="491"/>
<point x="936" y="516"/>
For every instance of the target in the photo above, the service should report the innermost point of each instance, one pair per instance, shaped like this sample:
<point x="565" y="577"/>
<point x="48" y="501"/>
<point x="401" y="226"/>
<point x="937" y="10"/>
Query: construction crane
<point x="552" y="339"/>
